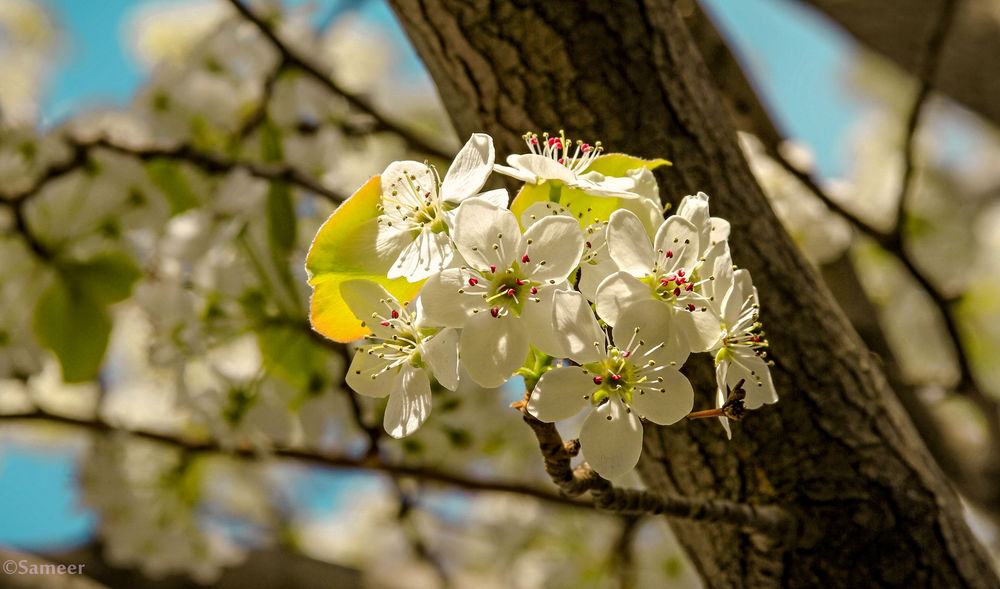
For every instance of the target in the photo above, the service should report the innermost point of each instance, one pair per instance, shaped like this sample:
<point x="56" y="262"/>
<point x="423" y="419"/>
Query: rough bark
<point x="898" y="29"/>
<point x="837" y="449"/>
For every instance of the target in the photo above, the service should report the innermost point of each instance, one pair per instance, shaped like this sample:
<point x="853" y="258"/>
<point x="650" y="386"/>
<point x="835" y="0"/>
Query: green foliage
<point x="168" y="177"/>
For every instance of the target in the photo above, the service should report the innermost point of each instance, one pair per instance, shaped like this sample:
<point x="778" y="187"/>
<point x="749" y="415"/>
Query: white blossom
<point x="636" y="375"/>
<point x="399" y="357"/>
<point x="418" y="208"/>
<point x="502" y="296"/>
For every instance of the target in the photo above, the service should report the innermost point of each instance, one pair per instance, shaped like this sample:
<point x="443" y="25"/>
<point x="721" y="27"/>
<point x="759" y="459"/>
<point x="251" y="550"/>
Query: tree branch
<point x="771" y="520"/>
<point x="313" y="457"/>
<point x="294" y="59"/>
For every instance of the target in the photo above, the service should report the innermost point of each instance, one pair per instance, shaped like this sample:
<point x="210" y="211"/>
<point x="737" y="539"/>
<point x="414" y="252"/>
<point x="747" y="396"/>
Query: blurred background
<point x="163" y="168"/>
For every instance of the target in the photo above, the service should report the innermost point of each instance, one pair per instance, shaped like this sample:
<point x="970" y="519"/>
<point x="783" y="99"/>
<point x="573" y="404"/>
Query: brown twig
<point x="771" y="520"/>
<point x="307" y="456"/>
<point x="294" y="59"/>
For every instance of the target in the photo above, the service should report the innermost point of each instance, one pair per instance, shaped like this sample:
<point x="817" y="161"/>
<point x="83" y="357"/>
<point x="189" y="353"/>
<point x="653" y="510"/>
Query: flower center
<point x="412" y="204"/>
<point x="502" y="291"/>
<point x="577" y="156"/>
<point x="625" y="371"/>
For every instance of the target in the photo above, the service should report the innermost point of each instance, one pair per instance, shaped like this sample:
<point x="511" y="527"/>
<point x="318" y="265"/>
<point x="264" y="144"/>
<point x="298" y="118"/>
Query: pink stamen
<point x="473" y="281"/>
<point x="534" y="290"/>
<point x="519" y="282"/>
<point x="588" y="245"/>
<point x="627" y="353"/>
<point x="525" y="258"/>
<point x="598" y="380"/>
<point x="510" y="292"/>
<point x="689" y="286"/>
<point x="690" y="306"/>
<point x="670" y="254"/>
<point x="616" y="377"/>
<point x="385" y="323"/>
<point x="395" y="314"/>
<point x="677" y="291"/>
<point x="495" y="311"/>
<point x="680" y="273"/>
<point x="493" y="269"/>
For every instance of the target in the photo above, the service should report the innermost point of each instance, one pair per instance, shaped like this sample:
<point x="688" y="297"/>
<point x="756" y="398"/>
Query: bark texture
<point x="837" y="449"/>
<point x="898" y="29"/>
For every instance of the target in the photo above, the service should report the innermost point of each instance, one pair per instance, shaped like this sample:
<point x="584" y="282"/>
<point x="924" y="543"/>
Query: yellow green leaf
<point x="616" y="164"/>
<point x="344" y="249"/>
<point x="587" y="208"/>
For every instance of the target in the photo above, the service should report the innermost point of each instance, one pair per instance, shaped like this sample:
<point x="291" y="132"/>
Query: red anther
<point x="495" y="311"/>
<point x="690" y="306"/>
<point x="664" y="281"/>
<point x="510" y="292"/>
<point x="755" y="338"/>
<point x="680" y="280"/>
<point x="385" y="324"/>
<point x="585" y="147"/>
<point x="670" y="254"/>
<point x="427" y="195"/>
<point x="560" y="160"/>
<point x="395" y="314"/>
<point x="680" y="273"/>
<point x="588" y="245"/>
<point x="689" y="286"/>
<point x="534" y="141"/>
<point x="552" y="141"/>
<point x="525" y="258"/>
<point x="519" y="282"/>
<point x="671" y="278"/>
<point x="473" y="281"/>
<point x="533" y="290"/>
<point x="493" y="269"/>
<point x="598" y="380"/>
<point x="626" y="353"/>
<point x="677" y="291"/>
<point x="616" y="377"/>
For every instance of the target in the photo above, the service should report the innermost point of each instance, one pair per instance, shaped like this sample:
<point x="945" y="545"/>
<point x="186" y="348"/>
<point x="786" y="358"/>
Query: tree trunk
<point x="837" y="449"/>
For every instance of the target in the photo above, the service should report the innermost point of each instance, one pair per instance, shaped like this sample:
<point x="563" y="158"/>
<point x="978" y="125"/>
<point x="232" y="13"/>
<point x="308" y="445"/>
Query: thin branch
<point x="294" y="59"/>
<point x="622" y="556"/>
<point x="930" y="60"/>
<point x="771" y="520"/>
<point x="306" y="456"/>
<point x="213" y="163"/>
<point x="259" y="113"/>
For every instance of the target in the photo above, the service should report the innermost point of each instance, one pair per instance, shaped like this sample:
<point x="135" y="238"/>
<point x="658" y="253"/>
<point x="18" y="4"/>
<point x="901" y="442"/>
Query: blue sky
<point x="799" y="62"/>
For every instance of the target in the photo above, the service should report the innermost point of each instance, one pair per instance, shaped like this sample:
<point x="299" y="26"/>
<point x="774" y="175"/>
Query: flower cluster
<point x="580" y="285"/>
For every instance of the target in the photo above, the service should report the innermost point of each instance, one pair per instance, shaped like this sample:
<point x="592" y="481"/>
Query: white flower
<point x="669" y="270"/>
<point x="398" y="355"/>
<point x="636" y="376"/>
<point x="502" y="298"/>
<point x="417" y="207"/>
<point x="740" y="351"/>
<point x="711" y="230"/>
<point x="559" y="158"/>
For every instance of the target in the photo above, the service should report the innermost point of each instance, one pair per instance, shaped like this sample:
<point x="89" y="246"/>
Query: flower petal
<point x="611" y="439"/>
<point x="541" y="167"/>
<point x="720" y="230"/>
<point x="493" y="348"/>
<point x="497" y="197"/>
<point x="576" y="328"/>
<point x="427" y="254"/>
<point x="371" y="303"/>
<point x="540" y="210"/>
<point x="720" y="399"/>
<point x="651" y="322"/>
<point x="757" y="374"/>
<point x="441" y="302"/>
<point x="440" y="352"/>
<point x="398" y="176"/>
<point x="618" y="291"/>
<point x="628" y="244"/>
<point x="694" y="208"/>
<point x="522" y="175"/>
<point x="359" y="375"/>
<point x="469" y="170"/>
<point x="680" y="237"/>
<point x="537" y="311"/>
<point x="409" y="402"/>
<point x="561" y="393"/>
<point x="736" y="298"/>
<point x="666" y="407"/>
<point x="553" y="246"/>
<point x="480" y="225"/>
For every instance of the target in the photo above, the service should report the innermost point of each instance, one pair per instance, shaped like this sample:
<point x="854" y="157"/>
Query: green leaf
<point x="290" y="353"/>
<point x="107" y="278"/>
<point x="616" y="164"/>
<point x="75" y="326"/>
<point x="344" y="249"/>
<point x="168" y="177"/>
<point x="587" y="208"/>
